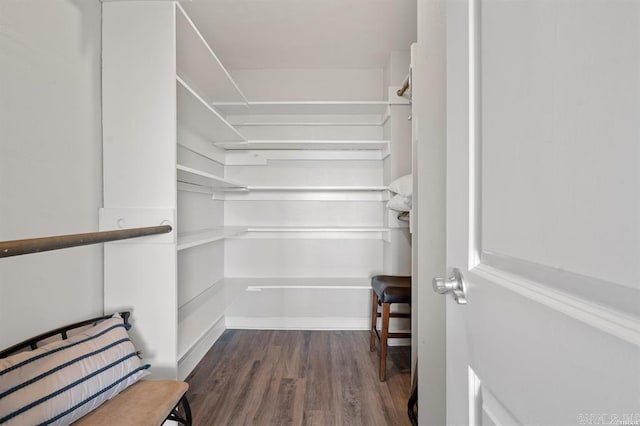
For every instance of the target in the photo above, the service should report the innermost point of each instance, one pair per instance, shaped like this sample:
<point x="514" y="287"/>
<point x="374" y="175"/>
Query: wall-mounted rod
<point x="405" y="85"/>
<point x="404" y="217"/>
<point x="36" y="245"/>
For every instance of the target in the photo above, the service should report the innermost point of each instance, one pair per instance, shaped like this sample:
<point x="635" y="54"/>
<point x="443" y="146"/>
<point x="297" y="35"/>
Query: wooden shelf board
<point x="195" y="114"/>
<point x="198" y="64"/>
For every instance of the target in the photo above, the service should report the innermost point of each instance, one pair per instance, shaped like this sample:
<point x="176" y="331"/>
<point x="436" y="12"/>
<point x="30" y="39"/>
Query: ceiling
<point x="256" y="34"/>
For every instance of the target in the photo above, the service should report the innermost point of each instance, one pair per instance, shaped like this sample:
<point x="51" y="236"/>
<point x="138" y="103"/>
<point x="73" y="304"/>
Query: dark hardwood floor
<point x="263" y="377"/>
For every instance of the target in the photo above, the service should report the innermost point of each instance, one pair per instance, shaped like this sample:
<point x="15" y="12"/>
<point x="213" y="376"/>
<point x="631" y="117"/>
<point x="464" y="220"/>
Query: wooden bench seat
<point x="146" y="403"/>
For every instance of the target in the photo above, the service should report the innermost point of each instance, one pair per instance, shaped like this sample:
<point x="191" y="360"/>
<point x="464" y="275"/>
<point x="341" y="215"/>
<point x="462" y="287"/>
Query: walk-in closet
<point x="319" y="212"/>
<point x="276" y="181"/>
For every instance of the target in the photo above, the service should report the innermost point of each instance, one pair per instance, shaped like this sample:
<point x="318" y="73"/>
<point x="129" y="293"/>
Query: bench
<point x="146" y="402"/>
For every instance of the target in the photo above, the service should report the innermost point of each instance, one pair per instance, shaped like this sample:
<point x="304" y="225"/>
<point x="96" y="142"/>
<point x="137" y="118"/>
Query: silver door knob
<point x="454" y="284"/>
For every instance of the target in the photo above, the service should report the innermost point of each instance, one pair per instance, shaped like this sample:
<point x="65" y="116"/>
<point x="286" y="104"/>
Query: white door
<point x="543" y="211"/>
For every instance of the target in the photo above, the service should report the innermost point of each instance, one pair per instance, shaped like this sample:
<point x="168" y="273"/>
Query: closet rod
<point x="405" y="86"/>
<point x="36" y="245"/>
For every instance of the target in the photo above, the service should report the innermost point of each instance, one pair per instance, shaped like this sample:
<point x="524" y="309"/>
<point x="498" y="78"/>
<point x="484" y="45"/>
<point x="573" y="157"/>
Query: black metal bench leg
<point x="175" y="414"/>
<point x="187" y="410"/>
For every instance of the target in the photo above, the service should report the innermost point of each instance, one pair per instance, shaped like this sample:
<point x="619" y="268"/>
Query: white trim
<point x="475" y="159"/>
<point x="204" y="236"/>
<point x="192" y="176"/>
<point x="306" y="324"/>
<point x="611" y="321"/>
<point x="297" y="323"/>
<point x="496" y="411"/>
<point x="190" y="187"/>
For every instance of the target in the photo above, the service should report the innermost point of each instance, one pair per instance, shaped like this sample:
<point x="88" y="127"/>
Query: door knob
<point x="454" y="284"/>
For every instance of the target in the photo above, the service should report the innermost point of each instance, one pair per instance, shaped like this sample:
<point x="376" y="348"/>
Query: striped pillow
<point x="64" y="380"/>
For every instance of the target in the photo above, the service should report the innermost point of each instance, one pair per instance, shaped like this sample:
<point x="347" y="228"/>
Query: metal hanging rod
<point x="404" y="217"/>
<point x="405" y="85"/>
<point x="36" y="245"/>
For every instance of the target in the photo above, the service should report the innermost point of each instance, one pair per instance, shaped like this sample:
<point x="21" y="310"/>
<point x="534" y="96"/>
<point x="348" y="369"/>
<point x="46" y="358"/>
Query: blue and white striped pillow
<point x="64" y="380"/>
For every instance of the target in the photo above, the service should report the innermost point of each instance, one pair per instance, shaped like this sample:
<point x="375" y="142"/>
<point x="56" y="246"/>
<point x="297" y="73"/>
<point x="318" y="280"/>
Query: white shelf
<point x="257" y="284"/>
<point x="304" y="107"/>
<point x="196" y="177"/>
<point x="241" y="122"/>
<point x="316" y="233"/>
<point x="199" y="314"/>
<point x="197" y="64"/>
<point x="319" y="188"/>
<point x="192" y="239"/>
<point x="380" y="145"/>
<point x="316" y="229"/>
<point x="195" y="114"/>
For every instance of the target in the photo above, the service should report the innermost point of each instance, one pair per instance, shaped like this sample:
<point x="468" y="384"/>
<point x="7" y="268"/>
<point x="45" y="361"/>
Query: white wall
<point x="50" y="160"/>
<point x="310" y="84"/>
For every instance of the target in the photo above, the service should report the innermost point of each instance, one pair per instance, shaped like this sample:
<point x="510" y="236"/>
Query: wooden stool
<point x="387" y="289"/>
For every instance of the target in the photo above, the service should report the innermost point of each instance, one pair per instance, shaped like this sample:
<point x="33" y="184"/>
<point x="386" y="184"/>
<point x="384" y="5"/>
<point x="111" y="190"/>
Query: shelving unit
<point x="203" y="295"/>
<point x="285" y="199"/>
<point x="160" y="77"/>
<point x="309" y="166"/>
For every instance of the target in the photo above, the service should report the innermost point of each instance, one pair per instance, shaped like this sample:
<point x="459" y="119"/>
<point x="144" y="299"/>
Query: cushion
<point x="64" y="380"/>
<point x="399" y="203"/>
<point x="403" y="185"/>
<point x="392" y="288"/>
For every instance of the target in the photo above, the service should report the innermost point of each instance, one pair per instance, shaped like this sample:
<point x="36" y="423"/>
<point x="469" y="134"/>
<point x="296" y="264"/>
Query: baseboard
<point x="194" y="355"/>
<point x="305" y="323"/>
<point x="297" y="323"/>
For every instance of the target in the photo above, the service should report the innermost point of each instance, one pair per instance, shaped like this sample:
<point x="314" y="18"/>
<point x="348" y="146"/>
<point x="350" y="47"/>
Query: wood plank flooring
<point x="264" y="377"/>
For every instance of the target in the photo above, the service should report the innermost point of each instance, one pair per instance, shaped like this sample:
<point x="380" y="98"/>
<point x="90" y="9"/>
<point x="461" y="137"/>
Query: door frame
<point x="428" y="59"/>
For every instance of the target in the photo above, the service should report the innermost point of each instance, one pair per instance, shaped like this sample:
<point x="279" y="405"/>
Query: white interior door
<point x="543" y="211"/>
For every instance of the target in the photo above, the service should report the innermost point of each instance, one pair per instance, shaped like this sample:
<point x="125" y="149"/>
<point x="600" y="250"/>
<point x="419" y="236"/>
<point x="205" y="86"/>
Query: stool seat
<point x="387" y="289"/>
<point x="392" y="288"/>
